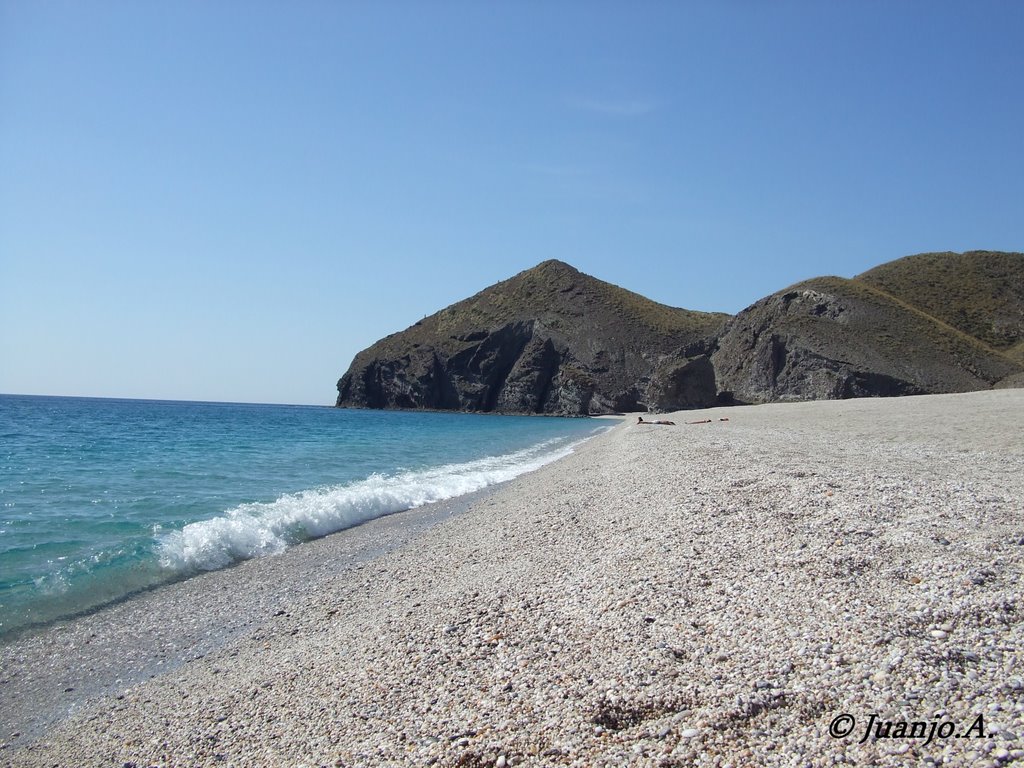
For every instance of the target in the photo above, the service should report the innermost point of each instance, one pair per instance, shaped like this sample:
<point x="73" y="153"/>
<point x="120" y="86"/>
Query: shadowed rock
<point x="832" y="338"/>
<point x="549" y="340"/>
<point x="554" y="340"/>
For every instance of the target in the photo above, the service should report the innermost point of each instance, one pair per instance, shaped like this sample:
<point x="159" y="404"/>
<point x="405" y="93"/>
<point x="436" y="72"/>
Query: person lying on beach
<point x="640" y="420"/>
<point x="705" y="421"/>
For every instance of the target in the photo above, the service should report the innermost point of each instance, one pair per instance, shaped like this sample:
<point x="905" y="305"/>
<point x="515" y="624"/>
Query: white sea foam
<point x="253" y="530"/>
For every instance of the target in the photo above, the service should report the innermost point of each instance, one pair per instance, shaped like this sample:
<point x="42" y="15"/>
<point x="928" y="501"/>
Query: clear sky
<point x="226" y="200"/>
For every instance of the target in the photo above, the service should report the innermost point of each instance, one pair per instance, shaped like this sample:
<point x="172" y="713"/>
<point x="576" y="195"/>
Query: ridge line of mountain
<point x="554" y="340"/>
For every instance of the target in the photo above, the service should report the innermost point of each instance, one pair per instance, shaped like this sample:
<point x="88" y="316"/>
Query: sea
<point x="101" y="498"/>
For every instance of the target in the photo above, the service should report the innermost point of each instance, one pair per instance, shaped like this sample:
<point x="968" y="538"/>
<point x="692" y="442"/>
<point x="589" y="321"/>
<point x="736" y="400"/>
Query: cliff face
<point x="930" y="323"/>
<point x="549" y="340"/>
<point x="832" y="338"/>
<point x="554" y="340"/>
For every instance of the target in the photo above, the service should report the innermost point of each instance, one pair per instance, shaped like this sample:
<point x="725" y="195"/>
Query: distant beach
<point x="790" y="584"/>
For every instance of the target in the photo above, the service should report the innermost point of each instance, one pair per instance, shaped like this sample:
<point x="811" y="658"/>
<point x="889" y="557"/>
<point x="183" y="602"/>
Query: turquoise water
<point x="102" y="498"/>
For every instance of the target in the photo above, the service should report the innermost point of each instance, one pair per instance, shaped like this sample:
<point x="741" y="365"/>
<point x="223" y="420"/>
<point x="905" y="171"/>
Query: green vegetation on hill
<point x="560" y="296"/>
<point x="834" y="337"/>
<point x="980" y="293"/>
<point x="897" y="326"/>
<point x="547" y="340"/>
<point x="554" y="340"/>
<point x="555" y="288"/>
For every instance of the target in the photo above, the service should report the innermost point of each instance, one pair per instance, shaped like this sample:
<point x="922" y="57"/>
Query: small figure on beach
<point x="640" y="420"/>
<point x="705" y="421"/>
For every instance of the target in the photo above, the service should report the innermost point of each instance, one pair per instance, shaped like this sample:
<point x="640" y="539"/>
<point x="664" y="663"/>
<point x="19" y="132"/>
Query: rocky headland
<point x="549" y="340"/>
<point x="556" y="341"/>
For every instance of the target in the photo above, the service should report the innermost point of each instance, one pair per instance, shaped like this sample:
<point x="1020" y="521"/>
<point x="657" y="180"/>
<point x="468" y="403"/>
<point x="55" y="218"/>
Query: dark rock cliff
<point x="554" y="340"/>
<point x="832" y="338"/>
<point x="549" y="340"/>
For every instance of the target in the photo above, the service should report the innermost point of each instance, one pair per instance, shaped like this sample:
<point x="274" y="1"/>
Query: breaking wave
<point x="257" y="529"/>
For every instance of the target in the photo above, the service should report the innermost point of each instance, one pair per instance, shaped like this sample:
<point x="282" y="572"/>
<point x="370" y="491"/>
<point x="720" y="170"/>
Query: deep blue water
<point x="101" y="498"/>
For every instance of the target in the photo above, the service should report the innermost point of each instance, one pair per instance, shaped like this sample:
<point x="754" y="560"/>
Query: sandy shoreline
<point x="707" y="594"/>
<point x="49" y="673"/>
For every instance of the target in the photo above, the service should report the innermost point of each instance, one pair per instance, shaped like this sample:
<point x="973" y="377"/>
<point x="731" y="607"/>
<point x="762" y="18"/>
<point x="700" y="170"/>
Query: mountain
<point x="979" y="292"/>
<point x="554" y="340"/>
<point x="548" y="340"/>
<point x="934" y="322"/>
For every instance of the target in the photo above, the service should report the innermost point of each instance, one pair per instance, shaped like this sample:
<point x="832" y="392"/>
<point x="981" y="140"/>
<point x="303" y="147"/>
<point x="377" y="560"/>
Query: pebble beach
<point x="805" y="584"/>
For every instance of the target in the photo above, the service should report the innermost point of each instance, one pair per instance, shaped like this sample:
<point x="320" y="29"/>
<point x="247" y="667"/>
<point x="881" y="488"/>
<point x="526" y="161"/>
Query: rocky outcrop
<point x="550" y="340"/>
<point x="832" y="338"/>
<point x="515" y="368"/>
<point x="554" y="340"/>
<point x="685" y="380"/>
<point x="682" y="383"/>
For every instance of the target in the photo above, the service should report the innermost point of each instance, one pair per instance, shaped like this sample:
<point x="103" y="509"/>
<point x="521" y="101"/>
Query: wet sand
<point x="51" y="672"/>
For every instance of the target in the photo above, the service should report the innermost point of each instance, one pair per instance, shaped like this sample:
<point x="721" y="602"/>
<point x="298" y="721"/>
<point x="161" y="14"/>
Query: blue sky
<point x="227" y="200"/>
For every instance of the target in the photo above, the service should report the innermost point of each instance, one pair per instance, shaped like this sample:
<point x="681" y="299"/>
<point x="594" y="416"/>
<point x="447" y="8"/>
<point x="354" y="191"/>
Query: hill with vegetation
<point x="548" y="340"/>
<point x="554" y="340"/>
<point x="831" y="338"/>
<point x="980" y="293"/>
